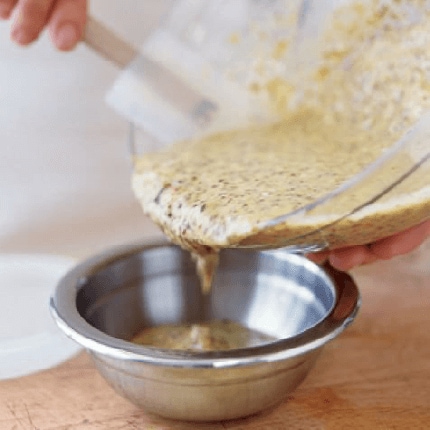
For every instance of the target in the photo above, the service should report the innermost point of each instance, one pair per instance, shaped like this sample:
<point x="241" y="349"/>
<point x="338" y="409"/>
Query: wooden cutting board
<point x="374" y="376"/>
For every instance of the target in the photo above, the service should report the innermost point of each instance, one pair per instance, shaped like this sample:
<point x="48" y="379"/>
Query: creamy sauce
<point x="217" y="335"/>
<point x="371" y="86"/>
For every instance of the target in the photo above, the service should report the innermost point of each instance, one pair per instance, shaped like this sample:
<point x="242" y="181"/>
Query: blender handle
<point x="167" y="84"/>
<point x="108" y="44"/>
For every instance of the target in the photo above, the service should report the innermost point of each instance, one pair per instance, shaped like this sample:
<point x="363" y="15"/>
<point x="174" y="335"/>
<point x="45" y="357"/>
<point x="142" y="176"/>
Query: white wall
<point x="64" y="166"/>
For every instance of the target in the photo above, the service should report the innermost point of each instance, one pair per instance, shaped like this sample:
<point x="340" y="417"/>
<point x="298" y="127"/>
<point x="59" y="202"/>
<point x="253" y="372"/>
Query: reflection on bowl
<point x="107" y="300"/>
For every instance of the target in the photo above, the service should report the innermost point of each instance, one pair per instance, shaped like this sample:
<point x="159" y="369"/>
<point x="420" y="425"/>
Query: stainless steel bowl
<point x="105" y="301"/>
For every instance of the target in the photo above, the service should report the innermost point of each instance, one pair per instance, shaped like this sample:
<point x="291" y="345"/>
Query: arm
<point x="384" y="249"/>
<point x="64" y="19"/>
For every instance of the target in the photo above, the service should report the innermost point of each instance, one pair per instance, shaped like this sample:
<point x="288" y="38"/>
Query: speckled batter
<point x="217" y="191"/>
<point x="368" y="90"/>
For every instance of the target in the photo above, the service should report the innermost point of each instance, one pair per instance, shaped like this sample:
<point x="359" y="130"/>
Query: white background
<point x="64" y="166"/>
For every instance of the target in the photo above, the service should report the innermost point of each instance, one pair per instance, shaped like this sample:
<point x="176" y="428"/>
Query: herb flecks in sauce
<point x="371" y="85"/>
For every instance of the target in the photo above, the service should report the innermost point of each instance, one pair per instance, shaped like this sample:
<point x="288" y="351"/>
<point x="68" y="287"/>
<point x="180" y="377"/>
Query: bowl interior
<point x="276" y="293"/>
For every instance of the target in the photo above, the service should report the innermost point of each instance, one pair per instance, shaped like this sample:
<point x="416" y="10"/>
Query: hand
<point x="65" y="20"/>
<point x="346" y="258"/>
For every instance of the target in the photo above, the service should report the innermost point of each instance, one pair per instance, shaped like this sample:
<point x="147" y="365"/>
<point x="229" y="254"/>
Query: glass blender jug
<point x="256" y="61"/>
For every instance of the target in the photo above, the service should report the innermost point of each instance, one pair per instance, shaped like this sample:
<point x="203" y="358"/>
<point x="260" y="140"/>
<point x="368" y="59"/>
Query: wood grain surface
<point x="374" y="376"/>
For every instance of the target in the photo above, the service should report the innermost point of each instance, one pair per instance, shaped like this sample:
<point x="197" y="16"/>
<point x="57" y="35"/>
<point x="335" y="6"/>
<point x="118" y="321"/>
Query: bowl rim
<point x="66" y="316"/>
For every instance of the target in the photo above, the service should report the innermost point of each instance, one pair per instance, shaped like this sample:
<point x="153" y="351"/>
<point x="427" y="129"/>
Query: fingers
<point x="401" y="243"/>
<point x="28" y="19"/>
<point x="318" y="257"/>
<point x="67" y="23"/>
<point x="6" y="8"/>
<point x="346" y="258"/>
<point x="65" y="19"/>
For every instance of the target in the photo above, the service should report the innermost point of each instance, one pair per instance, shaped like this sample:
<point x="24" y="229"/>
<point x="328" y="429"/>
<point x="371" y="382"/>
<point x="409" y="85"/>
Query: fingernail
<point x="5" y="12"/>
<point x="21" y="37"/>
<point x="339" y="264"/>
<point x="66" y="36"/>
<point x="345" y="263"/>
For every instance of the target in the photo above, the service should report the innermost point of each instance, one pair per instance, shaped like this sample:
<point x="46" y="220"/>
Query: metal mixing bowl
<point x="105" y="301"/>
